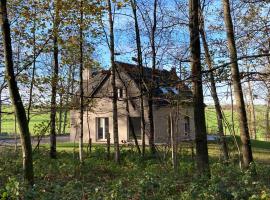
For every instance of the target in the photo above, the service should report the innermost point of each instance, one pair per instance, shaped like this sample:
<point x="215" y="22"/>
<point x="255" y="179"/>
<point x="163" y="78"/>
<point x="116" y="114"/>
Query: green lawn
<point x="38" y="119"/>
<point x="211" y="121"/>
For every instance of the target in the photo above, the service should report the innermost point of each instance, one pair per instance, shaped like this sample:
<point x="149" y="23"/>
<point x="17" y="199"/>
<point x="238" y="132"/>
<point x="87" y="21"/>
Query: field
<point x="39" y="118"/>
<point x="135" y="178"/>
<point x="211" y="121"/>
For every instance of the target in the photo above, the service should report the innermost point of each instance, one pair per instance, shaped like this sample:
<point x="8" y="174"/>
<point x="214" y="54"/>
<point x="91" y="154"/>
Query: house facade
<point x="168" y="97"/>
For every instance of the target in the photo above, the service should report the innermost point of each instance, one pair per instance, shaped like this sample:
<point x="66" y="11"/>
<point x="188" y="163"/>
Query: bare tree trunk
<point x="140" y="63"/>
<point x="214" y="91"/>
<point x="54" y="80"/>
<point x="114" y="103"/>
<point x="60" y="113"/>
<point x="81" y="85"/>
<point x="152" y="85"/>
<point x="267" y="125"/>
<point x="238" y="94"/>
<point x="252" y="112"/>
<point x="69" y="87"/>
<point x="128" y="114"/>
<point x="173" y="141"/>
<point x="16" y="98"/>
<point x="33" y="69"/>
<point x="199" y="113"/>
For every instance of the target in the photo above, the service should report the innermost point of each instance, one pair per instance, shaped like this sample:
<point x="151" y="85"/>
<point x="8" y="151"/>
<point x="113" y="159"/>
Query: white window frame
<point x="104" y="127"/>
<point x="119" y="91"/>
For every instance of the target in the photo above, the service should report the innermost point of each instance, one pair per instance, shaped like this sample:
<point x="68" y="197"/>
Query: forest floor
<point x="135" y="178"/>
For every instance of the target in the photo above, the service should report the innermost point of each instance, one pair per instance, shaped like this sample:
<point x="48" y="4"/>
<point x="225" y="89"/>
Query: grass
<point x="38" y="119"/>
<point x="135" y="178"/>
<point x="211" y="120"/>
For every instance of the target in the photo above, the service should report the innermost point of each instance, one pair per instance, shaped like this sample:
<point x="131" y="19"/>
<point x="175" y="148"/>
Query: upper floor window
<point x="187" y="125"/>
<point x="120" y="93"/>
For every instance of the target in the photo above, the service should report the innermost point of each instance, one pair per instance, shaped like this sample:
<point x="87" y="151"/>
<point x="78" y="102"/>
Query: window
<point x="120" y="93"/>
<point x="187" y="125"/>
<point x="134" y="126"/>
<point x="102" y="127"/>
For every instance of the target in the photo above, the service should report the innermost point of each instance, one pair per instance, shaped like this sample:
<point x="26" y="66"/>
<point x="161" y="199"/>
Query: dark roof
<point x="166" y="82"/>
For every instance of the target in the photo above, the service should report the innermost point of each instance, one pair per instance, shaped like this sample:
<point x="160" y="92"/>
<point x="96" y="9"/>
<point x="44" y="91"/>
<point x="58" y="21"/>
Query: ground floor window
<point x="134" y="126"/>
<point x="102" y="127"/>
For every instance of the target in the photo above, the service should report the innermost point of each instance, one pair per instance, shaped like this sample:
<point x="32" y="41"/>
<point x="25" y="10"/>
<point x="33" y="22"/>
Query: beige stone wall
<point x="102" y="107"/>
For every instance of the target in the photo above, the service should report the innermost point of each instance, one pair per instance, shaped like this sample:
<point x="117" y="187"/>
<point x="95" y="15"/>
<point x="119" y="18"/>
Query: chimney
<point x="173" y="71"/>
<point x="87" y="73"/>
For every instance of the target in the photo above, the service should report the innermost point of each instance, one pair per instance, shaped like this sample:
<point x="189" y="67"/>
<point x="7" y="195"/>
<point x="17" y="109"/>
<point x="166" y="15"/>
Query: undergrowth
<point x="136" y="178"/>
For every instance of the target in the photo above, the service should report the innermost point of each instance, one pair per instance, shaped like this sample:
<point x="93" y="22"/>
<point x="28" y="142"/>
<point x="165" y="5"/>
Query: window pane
<point x="102" y="127"/>
<point x="106" y="126"/>
<point x="135" y="125"/>
<point x="187" y="125"/>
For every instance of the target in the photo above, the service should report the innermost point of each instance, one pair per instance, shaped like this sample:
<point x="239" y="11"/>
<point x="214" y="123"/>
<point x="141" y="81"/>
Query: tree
<point x="199" y="114"/>
<point x="113" y="75"/>
<point x="16" y="98"/>
<point x="152" y="84"/>
<point x="140" y="64"/>
<point x="238" y="93"/>
<point x="81" y="83"/>
<point x="213" y="89"/>
<point x="54" y="81"/>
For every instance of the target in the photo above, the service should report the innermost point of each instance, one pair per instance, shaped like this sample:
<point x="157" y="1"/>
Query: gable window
<point x="134" y="126"/>
<point x="120" y="93"/>
<point x="102" y="127"/>
<point x="187" y="125"/>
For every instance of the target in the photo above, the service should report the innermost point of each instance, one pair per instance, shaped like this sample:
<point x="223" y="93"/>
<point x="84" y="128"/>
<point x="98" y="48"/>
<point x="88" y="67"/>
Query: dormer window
<point x="120" y="93"/>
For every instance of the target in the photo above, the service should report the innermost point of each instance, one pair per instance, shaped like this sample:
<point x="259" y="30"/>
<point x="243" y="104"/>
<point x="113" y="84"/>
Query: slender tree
<point x="152" y="85"/>
<point x="16" y="98"/>
<point x="55" y="75"/>
<point x="81" y="84"/>
<point x="238" y="93"/>
<point x="214" y="94"/>
<point x="34" y="65"/>
<point x="140" y="64"/>
<point x="199" y="114"/>
<point x="113" y="77"/>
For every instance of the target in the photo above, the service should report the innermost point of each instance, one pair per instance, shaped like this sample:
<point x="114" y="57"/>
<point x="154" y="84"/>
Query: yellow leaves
<point x="120" y="3"/>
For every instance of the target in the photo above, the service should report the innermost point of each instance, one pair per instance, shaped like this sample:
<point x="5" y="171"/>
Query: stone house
<point x="169" y="95"/>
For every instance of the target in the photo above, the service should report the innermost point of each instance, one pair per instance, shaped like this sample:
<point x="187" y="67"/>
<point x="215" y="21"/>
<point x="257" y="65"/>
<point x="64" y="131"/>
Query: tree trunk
<point x="267" y="125"/>
<point x="16" y="98"/>
<point x="128" y="114"/>
<point x="81" y="85"/>
<point x="223" y="143"/>
<point x="140" y="63"/>
<point x="113" y="72"/>
<point x="54" y="80"/>
<point x="238" y="94"/>
<point x="152" y="85"/>
<point x="60" y="110"/>
<point x="173" y="141"/>
<point x="33" y="69"/>
<point x="252" y="112"/>
<point x="199" y="114"/>
<point x="69" y="87"/>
